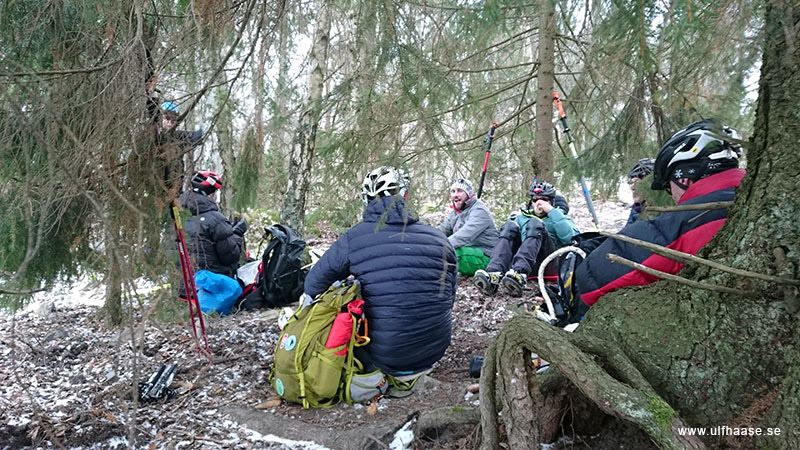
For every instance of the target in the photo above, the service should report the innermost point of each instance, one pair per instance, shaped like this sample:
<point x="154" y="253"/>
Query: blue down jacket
<point x="407" y="272"/>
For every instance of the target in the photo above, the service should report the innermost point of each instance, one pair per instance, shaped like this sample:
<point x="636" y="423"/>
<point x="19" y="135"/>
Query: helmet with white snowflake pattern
<point x="699" y="150"/>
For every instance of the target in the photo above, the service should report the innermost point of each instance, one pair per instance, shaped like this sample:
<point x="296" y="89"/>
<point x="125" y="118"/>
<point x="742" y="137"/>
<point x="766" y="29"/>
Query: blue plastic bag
<point x="217" y="293"/>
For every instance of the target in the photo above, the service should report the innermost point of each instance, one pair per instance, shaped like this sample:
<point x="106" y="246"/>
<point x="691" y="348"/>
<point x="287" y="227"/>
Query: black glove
<point x="241" y="227"/>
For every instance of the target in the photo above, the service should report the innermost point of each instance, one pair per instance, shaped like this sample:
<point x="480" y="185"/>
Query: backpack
<point x="567" y="302"/>
<point x="280" y="273"/>
<point x="313" y="362"/>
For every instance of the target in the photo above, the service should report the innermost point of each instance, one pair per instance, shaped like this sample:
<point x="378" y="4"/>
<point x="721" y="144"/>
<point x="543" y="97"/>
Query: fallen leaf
<point x="273" y="402"/>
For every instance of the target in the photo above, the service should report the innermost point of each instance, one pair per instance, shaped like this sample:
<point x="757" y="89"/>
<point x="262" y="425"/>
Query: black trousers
<point x="523" y="256"/>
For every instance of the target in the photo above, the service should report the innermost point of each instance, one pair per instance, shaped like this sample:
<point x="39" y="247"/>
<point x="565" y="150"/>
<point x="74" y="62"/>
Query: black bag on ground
<point x="567" y="302"/>
<point x="281" y="274"/>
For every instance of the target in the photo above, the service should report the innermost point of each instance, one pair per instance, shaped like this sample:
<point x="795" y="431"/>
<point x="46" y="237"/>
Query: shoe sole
<point x="485" y="286"/>
<point x="512" y="287"/>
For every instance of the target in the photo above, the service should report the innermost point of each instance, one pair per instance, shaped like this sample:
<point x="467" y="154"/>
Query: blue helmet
<point x="169" y="107"/>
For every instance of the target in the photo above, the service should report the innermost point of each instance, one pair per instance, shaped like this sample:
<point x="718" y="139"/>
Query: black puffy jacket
<point x="407" y="272"/>
<point x="212" y="242"/>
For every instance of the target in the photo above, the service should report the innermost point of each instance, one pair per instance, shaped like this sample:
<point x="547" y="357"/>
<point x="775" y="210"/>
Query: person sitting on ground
<point x="525" y="241"/>
<point x="470" y="228"/>
<point x="407" y="272"/>
<point x="214" y="244"/>
<point x="640" y="169"/>
<point x="697" y="165"/>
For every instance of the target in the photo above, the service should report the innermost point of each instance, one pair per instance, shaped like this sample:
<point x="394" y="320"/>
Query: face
<point x="675" y="191"/>
<point x="167" y="121"/>
<point x="632" y="183"/>
<point x="459" y="198"/>
<point x="541" y="206"/>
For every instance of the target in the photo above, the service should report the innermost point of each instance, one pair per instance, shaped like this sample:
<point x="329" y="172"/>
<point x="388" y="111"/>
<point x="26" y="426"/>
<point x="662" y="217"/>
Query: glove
<point x="241" y="227"/>
<point x="305" y="300"/>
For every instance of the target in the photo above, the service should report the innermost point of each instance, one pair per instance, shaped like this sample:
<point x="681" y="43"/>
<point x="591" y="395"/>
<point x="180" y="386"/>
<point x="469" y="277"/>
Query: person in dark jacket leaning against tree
<point x="214" y="244"/>
<point x="470" y="228"/>
<point x="407" y="272"/>
<point x="697" y="165"/>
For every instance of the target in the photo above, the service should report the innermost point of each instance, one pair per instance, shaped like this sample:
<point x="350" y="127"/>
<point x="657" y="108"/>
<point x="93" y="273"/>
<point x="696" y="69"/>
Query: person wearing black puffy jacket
<point x="214" y="244"/>
<point x="407" y="272"/>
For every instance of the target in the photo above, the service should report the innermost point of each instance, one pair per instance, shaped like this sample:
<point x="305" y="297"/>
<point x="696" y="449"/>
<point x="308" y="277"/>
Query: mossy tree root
<point x="511" y="391"/>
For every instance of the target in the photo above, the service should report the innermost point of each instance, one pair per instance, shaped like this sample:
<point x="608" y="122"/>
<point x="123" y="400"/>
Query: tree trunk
<point x="293" y="211"/>
<point x="719" y="359"/>
<point x="542" y="162"/>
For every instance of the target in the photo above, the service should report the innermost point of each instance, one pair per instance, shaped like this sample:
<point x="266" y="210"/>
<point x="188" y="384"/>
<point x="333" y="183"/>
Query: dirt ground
<point x="66" y="380"/>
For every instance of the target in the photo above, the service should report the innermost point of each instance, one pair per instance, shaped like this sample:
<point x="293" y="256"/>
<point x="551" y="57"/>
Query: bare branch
<point x="666" y="276"/>
<point x="697" y="207"/>
<point x="688" y="258"/>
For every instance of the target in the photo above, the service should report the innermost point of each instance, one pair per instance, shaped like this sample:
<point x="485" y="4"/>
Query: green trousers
<point x="470" y="260"/>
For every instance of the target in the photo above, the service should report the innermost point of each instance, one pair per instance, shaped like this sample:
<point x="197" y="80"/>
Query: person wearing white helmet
<point x="470" y="228"/>
<point x="407" y="273"/>
<point x="697" y="165"/>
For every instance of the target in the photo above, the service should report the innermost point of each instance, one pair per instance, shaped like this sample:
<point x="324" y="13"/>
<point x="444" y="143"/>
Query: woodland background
<point x="299" y="99"/>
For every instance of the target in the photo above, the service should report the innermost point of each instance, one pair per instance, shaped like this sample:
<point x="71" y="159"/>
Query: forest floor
<point x="66" y="380"/>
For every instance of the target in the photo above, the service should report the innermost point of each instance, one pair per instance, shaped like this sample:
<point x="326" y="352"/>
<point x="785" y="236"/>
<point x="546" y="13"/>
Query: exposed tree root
<point x="509" y="389"/>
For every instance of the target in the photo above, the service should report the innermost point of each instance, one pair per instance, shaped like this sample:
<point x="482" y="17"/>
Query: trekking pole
<point x="571" y="143"/>
<point x="188" y="281"/>
<point x="487" y="142"/>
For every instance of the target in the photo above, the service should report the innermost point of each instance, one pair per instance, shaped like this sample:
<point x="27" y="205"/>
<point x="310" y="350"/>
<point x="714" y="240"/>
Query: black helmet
<point x="206" y="181"/>
<point x="542" y="189"/>
<point x="699" y="150"/>
<point x="642" y="168"/>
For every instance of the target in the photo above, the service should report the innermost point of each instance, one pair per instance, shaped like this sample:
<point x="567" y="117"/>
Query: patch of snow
<point x="404" y="437"/>
<point x="255" y="436"/>
<point x="18" y="421"/>
<point x="65" y="401"/>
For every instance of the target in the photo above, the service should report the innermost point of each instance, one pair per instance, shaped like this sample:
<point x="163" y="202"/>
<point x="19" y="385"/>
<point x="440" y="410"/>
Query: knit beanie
<point x="460" y="183"/>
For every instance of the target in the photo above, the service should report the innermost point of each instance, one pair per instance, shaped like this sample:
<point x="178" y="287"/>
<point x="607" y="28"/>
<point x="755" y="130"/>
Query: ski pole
<point x="487" y="142"/>
<point x="188" y="281"/>
<point x="571" y="144"/>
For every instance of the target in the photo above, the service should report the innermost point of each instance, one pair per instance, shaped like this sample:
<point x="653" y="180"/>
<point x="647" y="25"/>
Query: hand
<point x="241" y="227"/>
<point x="544" y="206"/>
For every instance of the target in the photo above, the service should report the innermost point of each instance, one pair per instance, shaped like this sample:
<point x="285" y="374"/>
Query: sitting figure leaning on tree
<point x="697" y="165"/>
<point x="526" y="239"/>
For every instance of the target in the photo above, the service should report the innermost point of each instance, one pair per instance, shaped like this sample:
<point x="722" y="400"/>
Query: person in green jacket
<point x="470" y="228"/>
<point x="526" y="239"/>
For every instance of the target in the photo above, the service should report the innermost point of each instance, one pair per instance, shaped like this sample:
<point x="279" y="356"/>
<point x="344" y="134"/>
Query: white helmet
<point x="384" y="182"/>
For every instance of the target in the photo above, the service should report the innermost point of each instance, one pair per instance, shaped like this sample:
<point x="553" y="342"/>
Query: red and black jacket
<point x="685" y="231"/>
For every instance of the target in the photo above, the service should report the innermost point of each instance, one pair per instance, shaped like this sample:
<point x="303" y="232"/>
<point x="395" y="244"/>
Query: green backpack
<point x="305" y="371"/>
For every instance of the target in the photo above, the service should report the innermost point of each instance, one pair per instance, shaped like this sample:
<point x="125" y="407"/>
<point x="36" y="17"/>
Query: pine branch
<point x="688" y="258"/>
<point x="28" y="292"/>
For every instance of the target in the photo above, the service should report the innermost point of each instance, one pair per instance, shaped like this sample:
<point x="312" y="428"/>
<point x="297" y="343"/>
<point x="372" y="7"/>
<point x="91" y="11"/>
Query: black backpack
<point x="281" y="275"/>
